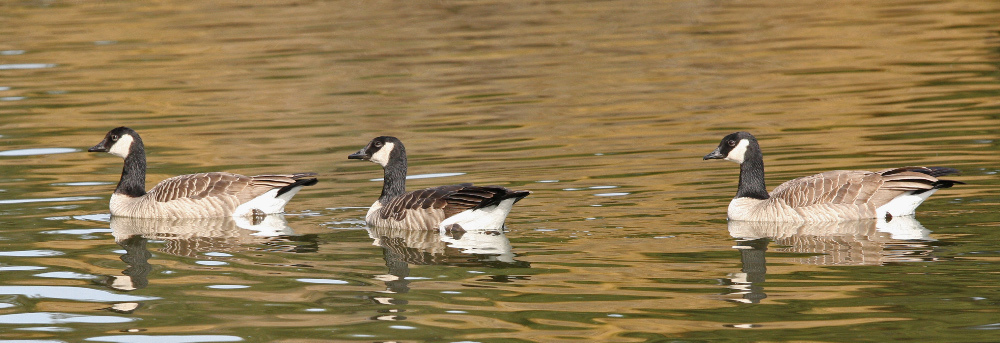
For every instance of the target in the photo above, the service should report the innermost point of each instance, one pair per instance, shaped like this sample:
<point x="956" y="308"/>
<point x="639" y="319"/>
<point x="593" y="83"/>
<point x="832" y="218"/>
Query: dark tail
<point x="932" y="171"/>
<point x="946" y="183"/>
<point x="299" y="182"/>
<point x="941" y="171"/>
<point x="499" y="194"/>
<point x="517" y="195"/>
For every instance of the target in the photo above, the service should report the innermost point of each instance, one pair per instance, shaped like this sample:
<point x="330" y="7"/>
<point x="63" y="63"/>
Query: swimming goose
<point x="830" y="196"/>
<point x="195" y="195"/>
<point x="454" y="207"/>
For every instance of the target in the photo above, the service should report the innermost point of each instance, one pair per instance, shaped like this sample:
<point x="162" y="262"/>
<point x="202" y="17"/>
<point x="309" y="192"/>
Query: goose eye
<point x="378" y="144"/>
<point x="731" y="143"/>
<point x="114" y="138"/>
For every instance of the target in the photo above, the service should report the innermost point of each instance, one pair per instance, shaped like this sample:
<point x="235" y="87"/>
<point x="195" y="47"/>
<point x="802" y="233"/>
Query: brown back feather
<point x="202" y="185"/>
<point x="855" y="186"/>
<point x="451" y="199"/>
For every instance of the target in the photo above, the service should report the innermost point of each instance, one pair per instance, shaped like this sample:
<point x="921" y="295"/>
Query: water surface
<point x="602" y="109"/>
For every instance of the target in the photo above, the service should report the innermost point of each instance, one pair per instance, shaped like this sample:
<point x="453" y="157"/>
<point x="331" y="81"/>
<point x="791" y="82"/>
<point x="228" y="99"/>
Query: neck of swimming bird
<point x="394" y="181"/>
<point x="133" y="181"/>
<point x="752" y="175"/>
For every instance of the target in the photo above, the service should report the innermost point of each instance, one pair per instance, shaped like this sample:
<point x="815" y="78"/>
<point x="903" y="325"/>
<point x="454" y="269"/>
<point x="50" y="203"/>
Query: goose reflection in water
<point x="849" y="243"/>
<point x="474" y="248"/>
<point x="402" y="247"/>
<point x="191" y="237"/>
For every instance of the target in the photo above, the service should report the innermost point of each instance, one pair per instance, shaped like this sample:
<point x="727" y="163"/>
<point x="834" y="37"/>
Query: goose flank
<point x="195" y="195"/>
<point x="453" y="207"/>
<point x="830" y="196"/>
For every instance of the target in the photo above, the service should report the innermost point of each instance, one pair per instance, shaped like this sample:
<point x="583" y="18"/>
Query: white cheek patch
<point x="739" y="152"/>
<point x="122" y="146"/>
<point x="382" y="155"/>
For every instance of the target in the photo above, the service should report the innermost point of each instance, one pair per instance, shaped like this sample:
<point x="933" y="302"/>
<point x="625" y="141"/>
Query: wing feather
<point x="450" y="200"/>
<point x="857" y="186"/>
<point x="205" y="185"/>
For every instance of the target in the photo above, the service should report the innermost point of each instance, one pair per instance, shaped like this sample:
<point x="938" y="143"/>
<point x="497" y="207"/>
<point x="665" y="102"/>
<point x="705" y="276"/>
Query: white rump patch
<point x="739" y="152"/>
<point x="268" y="203"/>
<point x="489" y="218"/>
<point x="382" y="155"/>
<point x="903" y="205"/>
<point x="122" y="146"/>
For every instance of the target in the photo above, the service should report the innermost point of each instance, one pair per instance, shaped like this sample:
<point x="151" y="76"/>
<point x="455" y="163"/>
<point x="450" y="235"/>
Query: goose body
<point x="830" y="196"/>
<point x="200" y="195"/>
<point x="461" y="206"/>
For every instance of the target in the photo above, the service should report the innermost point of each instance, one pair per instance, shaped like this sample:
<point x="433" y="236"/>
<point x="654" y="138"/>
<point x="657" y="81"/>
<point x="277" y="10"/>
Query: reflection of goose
<point x="403" y="247"/>
<point x="481" y="243"/>
<point x="136" y="256"/>
<point x="467" y="248"/>
<point x="862" y="242"/>
<point x="240" y="229"/>
<point x="454" y="207"/>
<point x="192" y="195"/>
<point x="189" y="237"/>
<point x="830" y="196"/>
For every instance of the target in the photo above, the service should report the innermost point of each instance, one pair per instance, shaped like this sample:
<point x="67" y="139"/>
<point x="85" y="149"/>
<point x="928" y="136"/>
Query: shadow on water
<point x="849" y="243"/>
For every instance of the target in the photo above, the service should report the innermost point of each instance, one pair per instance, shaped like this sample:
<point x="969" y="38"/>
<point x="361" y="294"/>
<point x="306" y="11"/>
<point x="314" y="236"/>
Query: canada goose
<point x="453" y="207"/>
<point x="194" y="195"/>
<point x="830" y="196"/>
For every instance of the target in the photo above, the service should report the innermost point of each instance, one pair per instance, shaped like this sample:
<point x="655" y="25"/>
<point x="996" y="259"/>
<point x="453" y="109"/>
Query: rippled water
<point x="602" y="109"/>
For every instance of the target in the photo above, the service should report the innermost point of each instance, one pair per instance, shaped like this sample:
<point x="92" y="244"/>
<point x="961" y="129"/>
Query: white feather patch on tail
<point x="267" y="203"/>
<point x="488" y="218"/>
<point x="903" y="205"/>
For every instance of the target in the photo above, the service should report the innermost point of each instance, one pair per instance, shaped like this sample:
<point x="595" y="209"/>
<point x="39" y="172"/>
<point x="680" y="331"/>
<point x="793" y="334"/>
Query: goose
<point x="454" y="207"/>
<point x="830" y="196"/>
<point x="199" y="195"/>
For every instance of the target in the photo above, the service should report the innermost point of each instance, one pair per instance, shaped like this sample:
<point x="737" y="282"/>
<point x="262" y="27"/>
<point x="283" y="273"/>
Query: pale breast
<point x="750" y="209"/>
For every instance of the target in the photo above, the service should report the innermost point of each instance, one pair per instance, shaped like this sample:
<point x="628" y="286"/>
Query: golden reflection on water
<point x="602" y="109"/>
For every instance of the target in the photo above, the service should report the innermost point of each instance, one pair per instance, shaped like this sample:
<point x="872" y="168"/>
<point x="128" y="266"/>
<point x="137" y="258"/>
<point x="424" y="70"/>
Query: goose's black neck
<point x="394" y="181"/>
<point x="133" y="182"/>
<point x="752" y="174"/>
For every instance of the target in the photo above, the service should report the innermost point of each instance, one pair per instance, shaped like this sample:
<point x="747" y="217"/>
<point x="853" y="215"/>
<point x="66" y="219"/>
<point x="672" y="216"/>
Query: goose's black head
<point x="118" y="142"/>
<point x="381" y="150"/>
<point x="734" y="147"/>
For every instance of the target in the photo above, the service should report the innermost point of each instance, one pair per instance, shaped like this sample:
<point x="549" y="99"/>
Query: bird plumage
<point x="194" y="195"/>
<point x="435" y="207"/>
<point x="829" y="196"/>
